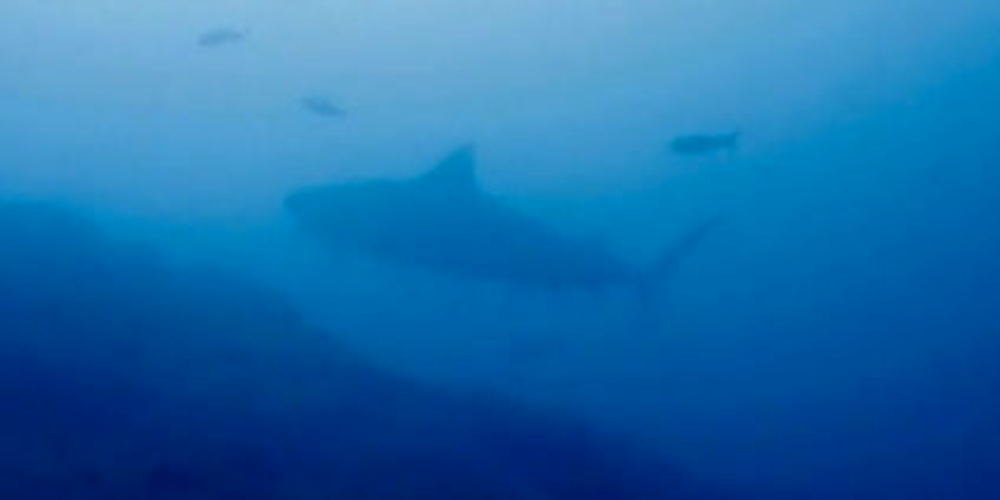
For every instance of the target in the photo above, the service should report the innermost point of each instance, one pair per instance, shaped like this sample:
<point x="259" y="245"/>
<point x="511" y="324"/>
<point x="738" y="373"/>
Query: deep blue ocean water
<point x="170" y="328"/>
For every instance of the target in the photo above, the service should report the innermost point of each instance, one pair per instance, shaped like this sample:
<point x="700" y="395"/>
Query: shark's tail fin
<point x="650" y="283"/>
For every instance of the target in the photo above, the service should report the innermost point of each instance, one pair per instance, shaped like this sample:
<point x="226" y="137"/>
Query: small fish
<point x="221" y="36"/>
<point x="705" y="144"/>
<point x="321" y="106"/>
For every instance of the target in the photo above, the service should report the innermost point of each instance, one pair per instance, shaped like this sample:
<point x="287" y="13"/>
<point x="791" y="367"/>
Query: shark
<point x="444" y="221"/>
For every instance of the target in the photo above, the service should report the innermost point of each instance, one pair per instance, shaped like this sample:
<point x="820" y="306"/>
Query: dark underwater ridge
<point x="500" y="249"/>
<point x="122" y="376"/>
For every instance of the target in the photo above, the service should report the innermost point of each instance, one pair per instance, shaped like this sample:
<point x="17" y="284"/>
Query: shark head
<point x="347" y="213"/>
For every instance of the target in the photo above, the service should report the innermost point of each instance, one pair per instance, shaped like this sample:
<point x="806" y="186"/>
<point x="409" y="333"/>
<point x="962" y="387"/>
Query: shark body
<point x="443" y="221"/>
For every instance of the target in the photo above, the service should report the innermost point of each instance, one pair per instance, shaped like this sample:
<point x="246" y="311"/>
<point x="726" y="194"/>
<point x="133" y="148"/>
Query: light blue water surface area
<point x="485" y="249"/>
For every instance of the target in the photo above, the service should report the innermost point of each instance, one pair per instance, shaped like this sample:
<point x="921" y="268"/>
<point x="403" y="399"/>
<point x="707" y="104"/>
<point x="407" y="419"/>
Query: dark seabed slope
<point x="122" y="377"/>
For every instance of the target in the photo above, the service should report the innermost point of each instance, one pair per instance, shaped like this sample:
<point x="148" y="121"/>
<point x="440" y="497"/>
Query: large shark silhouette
<point x="444" y="221"/>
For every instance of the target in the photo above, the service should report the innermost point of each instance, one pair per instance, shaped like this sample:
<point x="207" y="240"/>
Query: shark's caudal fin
<point x="649" y="283"/>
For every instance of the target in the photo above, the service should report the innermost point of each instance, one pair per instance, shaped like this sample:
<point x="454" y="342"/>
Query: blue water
<point x="169" y="330"/>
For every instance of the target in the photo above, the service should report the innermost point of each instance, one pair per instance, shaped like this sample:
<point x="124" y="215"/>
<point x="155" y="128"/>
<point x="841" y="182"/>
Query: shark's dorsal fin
<point x="457" y="172"/>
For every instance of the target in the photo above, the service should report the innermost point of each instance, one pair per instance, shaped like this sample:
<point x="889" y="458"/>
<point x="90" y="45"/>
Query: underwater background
<point x="168" y="329"/>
